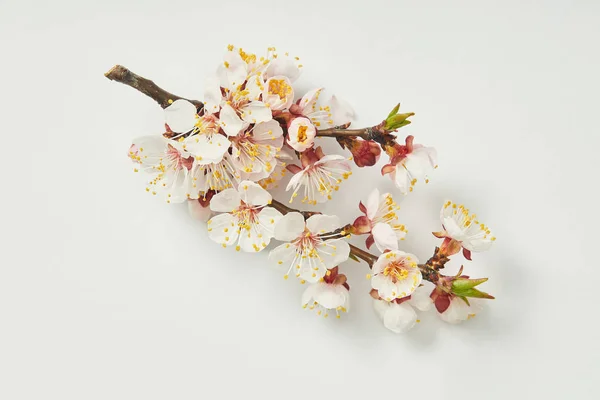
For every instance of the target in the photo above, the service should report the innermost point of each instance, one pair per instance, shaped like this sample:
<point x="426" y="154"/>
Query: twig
<point x="121" y="74"/>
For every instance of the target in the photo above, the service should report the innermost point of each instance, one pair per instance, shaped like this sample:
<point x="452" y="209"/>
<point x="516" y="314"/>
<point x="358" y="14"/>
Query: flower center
<point x="302" y="134"/>
<point x="395" y="271"/>
<point x="280" y="88"/>
<point x="178" y="161"/>
<point x="246" y="215"/>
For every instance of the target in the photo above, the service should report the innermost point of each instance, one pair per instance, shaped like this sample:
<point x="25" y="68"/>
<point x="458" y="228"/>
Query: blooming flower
<point x="247" y="220"/>
<point x="312" y="248"/>
<point x="320" y="177"/>
<point x="409" y="163"/>
<point x="459" y="310"/>
<point x="204" y="141"/>
<point x="167" y="163"/>
<point x="380" y="221"/>
<point x="395" y="275"/>
<point x="330" y="294"/>
<point x="301" y="134"/>
<point x="279" y="172"/>
<point x="278" y="93"/>
<point x="255" y="151"/>
<point x="215" y="176"/>
<point x="462" y="229"/>
<point x="399" y="315"/>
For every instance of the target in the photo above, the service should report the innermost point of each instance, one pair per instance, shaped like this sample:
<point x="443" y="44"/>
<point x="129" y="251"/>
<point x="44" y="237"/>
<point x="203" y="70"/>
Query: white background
<point x="107" y="293"/>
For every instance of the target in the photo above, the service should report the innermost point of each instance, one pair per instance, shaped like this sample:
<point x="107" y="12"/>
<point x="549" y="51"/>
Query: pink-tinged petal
<point x="308" y="294"/>
<point x="388" y="169"/>
<point x="301" y="134"/>
<point x="181" y="116"/>
<point x="369" y="242"/>
<point x="309" y="100"/>
<point x="385" y="237"/>
<point x="225" y="201"/>
<point x="385" y="286"/>
<point x="283" y="67"/>
<point x="341" y="111"/>
<point x="373" y="203"/>
<point x="361" y="225"/>
<point x="255" y="112"/>
<point x="253" y="194"/>
<point x="229" y="120"/>
<point x="212" y="95"/>
<point x="222" y="229"/>
<point x="290" y="227"/>
<point x="199" y="212"/>
<point x="278" y="93"/>
<point x="323" y="223"/>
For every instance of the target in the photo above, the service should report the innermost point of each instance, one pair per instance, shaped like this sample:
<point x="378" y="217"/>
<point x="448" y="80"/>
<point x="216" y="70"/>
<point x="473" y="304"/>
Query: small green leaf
<point x="473" y="293"/>
<point x="394" y="111"/>
<point x="460" y="284"/>
<point x="352" y="256"/>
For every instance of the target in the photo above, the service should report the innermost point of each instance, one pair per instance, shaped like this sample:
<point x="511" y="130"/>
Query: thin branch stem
<point x="121" y="74"/>
<point x="363" y="133"/>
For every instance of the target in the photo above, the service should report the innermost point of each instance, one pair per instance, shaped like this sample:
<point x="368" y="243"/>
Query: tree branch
<point x="121" y="74"/>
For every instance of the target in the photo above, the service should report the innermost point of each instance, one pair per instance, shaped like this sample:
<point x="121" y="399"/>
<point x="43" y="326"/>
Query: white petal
<point x="290" y="227"/>
<point x="341" y="111"/>
<point x="229" y="121"/>
<point x="385" y="237"/>
<point x="420" y="298"/>
<point x="268" y="218"/>
<point x="309" y="100"/>
<point x="251" y="240"/>
<point x="283" y="66"/>
<point x="320" y="223"/>
<point x="401" y="178"/>
<point x="181" y="116"/>
<point x="283" y="254"/>
<point x="212" y="95"/>
<point x="207" y="150"/>
<point x="268" y="132"/>
<point x="232" y="72"/>
<point x="253" y="194"/>
<point x="342" y="251"/>
<point x="399" y="318"/>
<point x="308" y="294"/>
<point x="255" y="112"/>
<point x="331" y="296"/>
<point x="222" y="229"/>
<point x="255" y="85"/>
<point x="225" y="201"/>
<point x="298" y="140"/>
<point x="198" y="212"/>
<point x="372" y="204"/>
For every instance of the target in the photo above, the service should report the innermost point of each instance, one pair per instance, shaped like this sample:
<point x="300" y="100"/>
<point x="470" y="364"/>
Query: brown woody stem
<point x="336" y="132"/>
<point x="121" y="74"/>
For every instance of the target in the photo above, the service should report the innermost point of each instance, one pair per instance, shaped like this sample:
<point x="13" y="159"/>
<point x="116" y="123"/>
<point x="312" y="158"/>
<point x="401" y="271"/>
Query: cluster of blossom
<point x="252" y="130"/>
